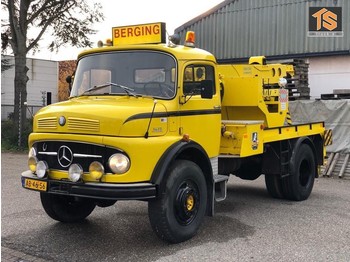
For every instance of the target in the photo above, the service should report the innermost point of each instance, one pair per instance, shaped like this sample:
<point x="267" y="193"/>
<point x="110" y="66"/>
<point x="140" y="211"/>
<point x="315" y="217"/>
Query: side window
<point x="193" y="75"/>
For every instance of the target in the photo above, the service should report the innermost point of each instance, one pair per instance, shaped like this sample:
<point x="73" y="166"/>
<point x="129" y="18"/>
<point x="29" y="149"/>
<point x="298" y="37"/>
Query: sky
<point x="131" y="12"/>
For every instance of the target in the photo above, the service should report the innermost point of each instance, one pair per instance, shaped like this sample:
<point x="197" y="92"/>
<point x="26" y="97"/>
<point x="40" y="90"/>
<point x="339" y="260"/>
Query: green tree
<point x="68" y="22"/>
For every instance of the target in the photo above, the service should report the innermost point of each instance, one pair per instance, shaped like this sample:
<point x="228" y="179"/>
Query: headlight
<point x="75" y="172"/>
<point x="119" y="163"/>
<point x="32" y="162"/>
<point x="32" y="152"/>
<point x="41" y="169"/>
<point x="96" y="170"/>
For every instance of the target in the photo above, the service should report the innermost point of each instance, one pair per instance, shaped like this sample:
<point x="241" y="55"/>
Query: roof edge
<point x="287" y="56"/>
<point x="201" y="16"/>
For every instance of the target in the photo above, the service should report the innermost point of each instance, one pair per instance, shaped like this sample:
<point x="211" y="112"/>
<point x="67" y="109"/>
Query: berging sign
<point x="139" y="34"/>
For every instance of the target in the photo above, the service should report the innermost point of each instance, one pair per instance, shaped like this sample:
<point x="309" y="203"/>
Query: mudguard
<point x="184" y="150"/>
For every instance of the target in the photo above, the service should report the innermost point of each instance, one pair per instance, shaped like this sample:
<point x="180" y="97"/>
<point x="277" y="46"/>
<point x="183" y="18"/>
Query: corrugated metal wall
<point x="238" y="29"/>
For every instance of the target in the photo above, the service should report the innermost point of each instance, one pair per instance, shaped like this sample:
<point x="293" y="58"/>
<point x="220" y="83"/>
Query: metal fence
<point x="6" y="111"/>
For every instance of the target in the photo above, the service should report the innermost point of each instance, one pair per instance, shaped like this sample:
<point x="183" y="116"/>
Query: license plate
<point x="35" y="184"/>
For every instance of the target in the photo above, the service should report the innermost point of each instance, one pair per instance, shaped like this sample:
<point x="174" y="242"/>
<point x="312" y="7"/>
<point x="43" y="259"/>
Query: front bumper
<point x="132" y="191"/>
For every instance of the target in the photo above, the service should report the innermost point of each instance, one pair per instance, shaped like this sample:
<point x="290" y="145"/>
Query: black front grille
<point x="59" y="155"/>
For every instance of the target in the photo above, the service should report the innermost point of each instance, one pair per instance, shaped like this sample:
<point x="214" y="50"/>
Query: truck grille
<point x="59" y="155"/>
<point x="47" y="123"/>
<point x="75" y="124"/>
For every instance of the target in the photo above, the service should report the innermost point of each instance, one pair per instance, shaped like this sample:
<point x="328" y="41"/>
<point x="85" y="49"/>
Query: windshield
<point x="137" y="73"/>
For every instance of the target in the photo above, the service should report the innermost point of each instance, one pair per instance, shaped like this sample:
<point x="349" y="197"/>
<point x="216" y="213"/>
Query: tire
<point x="105" y="203"/>
<point x="65" y="208"/>
<point x="274" y="186"/>
<point x="299" y="184"/>
<point x="177" y="213"/>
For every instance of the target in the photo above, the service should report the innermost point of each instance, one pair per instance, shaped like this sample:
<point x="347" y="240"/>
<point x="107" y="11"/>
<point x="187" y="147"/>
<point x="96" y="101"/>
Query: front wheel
<point x="66" y="208"/>
<point x="177" y="213"/>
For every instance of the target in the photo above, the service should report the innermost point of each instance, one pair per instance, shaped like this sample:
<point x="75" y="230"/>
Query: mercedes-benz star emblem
<point x="62" y="120"/>
<point x="64" y="156"/>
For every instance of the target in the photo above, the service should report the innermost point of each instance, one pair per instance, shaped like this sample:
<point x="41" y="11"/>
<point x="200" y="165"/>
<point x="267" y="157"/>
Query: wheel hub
<point x="186" y="204"/>
<point x="190" y="202"/>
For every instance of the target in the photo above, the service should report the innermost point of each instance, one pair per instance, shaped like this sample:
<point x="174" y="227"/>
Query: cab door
<point x="200" y="117"/>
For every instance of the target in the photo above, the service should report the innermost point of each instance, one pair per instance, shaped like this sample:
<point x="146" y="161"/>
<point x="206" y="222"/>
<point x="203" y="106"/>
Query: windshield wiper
<point x="94" y="88"/>
<point x="128" y="90"/>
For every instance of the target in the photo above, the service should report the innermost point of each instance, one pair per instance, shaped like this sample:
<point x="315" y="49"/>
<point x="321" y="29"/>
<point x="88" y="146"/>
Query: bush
<point x="9" y="135"/>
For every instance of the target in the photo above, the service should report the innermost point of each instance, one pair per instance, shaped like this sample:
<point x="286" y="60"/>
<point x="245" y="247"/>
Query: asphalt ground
<point x="248" y="226"/>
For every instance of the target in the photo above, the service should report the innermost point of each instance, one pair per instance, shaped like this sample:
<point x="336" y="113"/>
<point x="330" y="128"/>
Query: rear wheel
<point x="177" y="213"/>
<point x="66" y="208"/>
<point x="299" y="184"/>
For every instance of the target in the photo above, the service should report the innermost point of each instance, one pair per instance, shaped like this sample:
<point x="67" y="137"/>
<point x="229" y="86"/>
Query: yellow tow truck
<point x="150" y="119"/>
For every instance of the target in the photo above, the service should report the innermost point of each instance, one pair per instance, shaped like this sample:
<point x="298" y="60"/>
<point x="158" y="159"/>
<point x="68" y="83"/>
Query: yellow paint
<point x="251" y="92"/>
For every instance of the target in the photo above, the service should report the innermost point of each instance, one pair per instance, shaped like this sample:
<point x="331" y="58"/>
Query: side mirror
<point x="207" y="89"/>
<point x="69" y="79"/>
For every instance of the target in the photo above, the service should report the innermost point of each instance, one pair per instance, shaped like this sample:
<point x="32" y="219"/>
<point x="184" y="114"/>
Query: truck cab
<point x="134" y="110"/>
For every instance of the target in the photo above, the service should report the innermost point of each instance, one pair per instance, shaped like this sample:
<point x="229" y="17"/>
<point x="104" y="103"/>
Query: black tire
<point x="177" y="213"/>
<point x="65" y="208"/>
<point x="299" y="184"/>
<point x="105" y="203"/>
<point x="274" y="186"/>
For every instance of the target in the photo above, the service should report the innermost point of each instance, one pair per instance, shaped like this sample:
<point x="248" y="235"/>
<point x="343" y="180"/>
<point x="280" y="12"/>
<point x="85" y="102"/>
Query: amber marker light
<point x="109" y="42"/>
<point x="186" y="138"/>
<point x="190" y="39"/>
